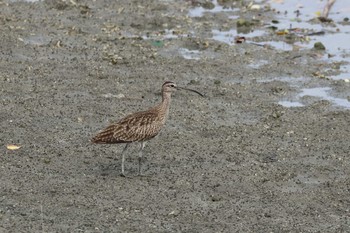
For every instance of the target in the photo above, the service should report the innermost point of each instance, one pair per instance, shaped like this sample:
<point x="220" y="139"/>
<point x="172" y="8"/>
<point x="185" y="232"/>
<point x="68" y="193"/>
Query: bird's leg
<point x="123" y="158"/>
<point x="140" y="156"/>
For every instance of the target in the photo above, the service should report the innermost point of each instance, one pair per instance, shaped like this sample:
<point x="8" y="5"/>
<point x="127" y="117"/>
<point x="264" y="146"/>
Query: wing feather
<point x="139" y="126"/>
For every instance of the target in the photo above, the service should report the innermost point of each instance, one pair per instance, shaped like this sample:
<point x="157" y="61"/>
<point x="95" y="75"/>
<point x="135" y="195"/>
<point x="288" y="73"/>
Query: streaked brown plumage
<point x="140" y="126"/>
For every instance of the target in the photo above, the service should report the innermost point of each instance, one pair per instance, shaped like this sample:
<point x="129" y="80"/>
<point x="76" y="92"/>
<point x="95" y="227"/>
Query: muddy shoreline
<point x="234" y="161"/>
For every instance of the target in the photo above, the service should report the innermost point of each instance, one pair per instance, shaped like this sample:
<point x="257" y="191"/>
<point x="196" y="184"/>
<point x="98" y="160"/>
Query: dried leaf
<point x="281" y="33"/>
<point x="12" y="147"/>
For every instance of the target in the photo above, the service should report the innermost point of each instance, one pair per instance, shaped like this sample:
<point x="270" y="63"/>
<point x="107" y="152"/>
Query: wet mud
<point x="237" y="160"/>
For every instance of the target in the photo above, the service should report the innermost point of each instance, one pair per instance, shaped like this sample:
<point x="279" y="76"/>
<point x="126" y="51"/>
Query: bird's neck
<point x="166" y="98"/>
<point x="164" y="105"/>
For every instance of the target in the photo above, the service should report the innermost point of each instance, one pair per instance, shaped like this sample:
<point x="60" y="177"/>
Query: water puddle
<point x="228" y="37"/>
<point x="190" y="54"/>
<point x="256" y="65"/>
<point x="37" y="40"/>
<point x="233" y="17"/>
<point x="199" y="11"/>
<point x="322" y="93"/>
<point x="167" y="34"/>
<point x="298" y="14"/>
<point x="344" y="75"/>
<point x="290" y="104"/>
<point x="281" y="45"/>
<point x="311" y="9"/>
<point x="294" y="82"/>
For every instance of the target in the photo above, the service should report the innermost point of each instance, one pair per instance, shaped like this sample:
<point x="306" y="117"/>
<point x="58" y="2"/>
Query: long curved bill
<point x="187" y="89"/>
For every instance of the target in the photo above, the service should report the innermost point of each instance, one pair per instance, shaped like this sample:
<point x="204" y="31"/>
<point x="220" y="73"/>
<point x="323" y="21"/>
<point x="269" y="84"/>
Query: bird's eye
<point x="172" y="85"/>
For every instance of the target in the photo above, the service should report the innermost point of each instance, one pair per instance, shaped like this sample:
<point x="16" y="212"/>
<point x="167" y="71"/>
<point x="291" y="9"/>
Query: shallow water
<point x="336" y="36"/>
<point x="322" y="93"/>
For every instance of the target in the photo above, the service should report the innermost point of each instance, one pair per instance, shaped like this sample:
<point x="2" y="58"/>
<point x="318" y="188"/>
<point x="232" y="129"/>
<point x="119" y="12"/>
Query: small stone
<point x="208" y="5"/>
<point x="243" y="23"/>
<point x="319" y="46"/>
<point x="174" y="213"/>
<point x="215" y="198"/>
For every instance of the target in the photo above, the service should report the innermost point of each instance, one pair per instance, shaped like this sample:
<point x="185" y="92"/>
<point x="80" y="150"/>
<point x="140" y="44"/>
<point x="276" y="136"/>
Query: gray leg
<point x="123" y="158"/>
<point x="140" y="156"/>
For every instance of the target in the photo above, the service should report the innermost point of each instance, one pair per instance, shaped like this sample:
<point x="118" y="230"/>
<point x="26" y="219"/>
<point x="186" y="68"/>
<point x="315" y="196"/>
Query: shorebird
<point x="140" y="126"/>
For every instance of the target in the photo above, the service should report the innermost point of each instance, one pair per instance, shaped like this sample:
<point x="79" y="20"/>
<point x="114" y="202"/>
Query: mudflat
<point x="234" y="161"/>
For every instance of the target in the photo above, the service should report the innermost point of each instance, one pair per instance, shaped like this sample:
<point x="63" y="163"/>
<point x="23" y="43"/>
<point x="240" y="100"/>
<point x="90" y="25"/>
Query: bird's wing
<point x="139" y="126"/>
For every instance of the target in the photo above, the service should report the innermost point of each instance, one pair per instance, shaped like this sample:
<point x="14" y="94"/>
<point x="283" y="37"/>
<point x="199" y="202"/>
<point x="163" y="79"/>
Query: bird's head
<point x="169" y="87"/>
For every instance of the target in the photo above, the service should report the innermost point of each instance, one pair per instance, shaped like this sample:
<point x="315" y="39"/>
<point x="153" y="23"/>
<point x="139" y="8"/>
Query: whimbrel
<point x="140" y="126"/>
